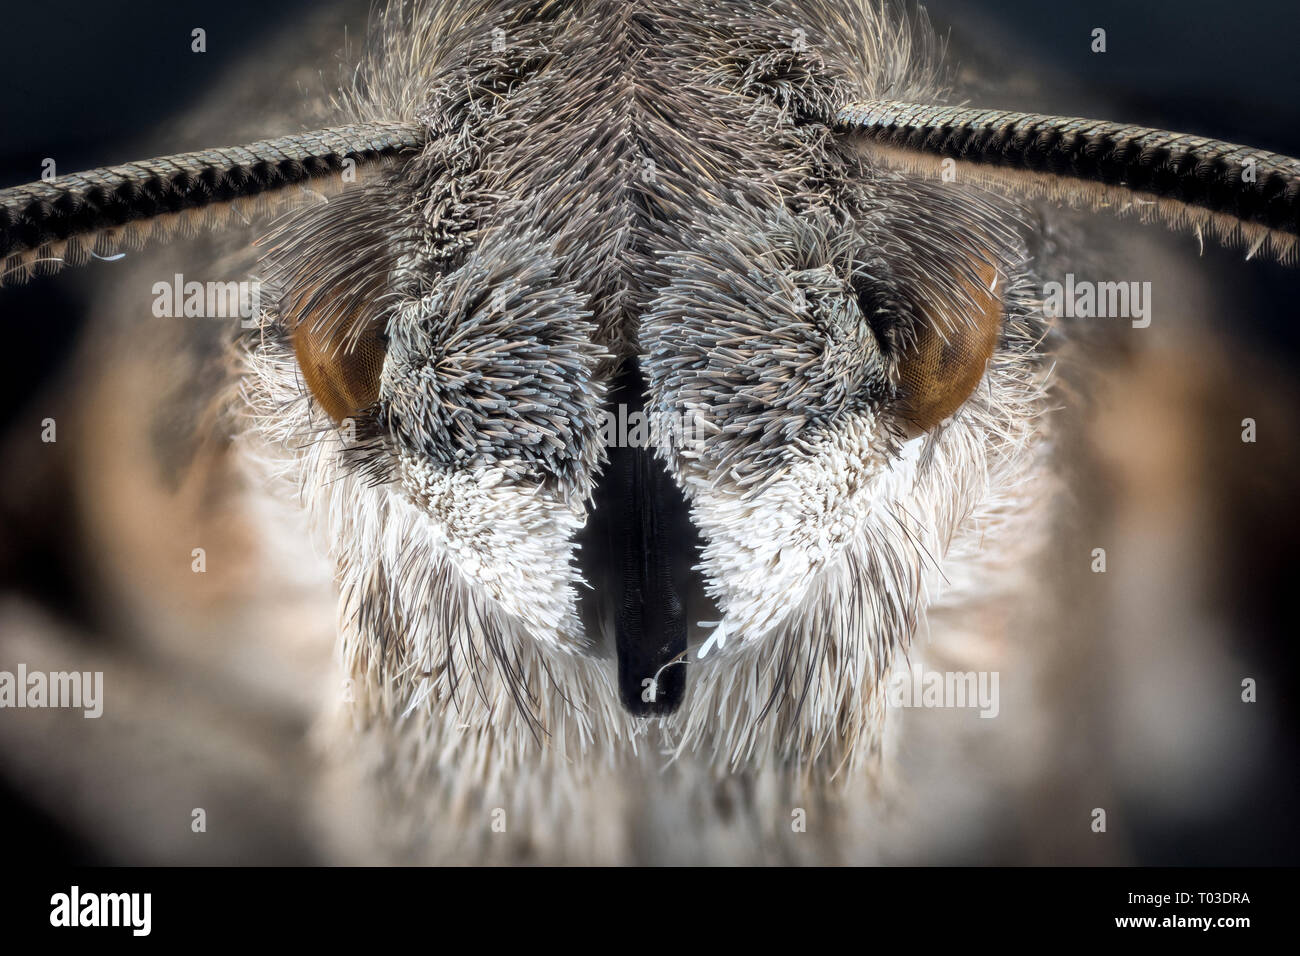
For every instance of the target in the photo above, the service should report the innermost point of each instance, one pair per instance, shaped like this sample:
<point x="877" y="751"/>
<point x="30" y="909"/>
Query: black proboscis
<point x="637" y="553"/>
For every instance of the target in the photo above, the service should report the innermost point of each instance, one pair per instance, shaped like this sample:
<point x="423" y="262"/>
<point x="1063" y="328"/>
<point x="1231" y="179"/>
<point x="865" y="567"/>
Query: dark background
<point x="86" y="84"/>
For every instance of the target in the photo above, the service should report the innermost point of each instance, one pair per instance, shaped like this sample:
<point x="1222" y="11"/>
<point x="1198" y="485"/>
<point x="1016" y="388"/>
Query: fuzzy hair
<point x="650" y="180"/>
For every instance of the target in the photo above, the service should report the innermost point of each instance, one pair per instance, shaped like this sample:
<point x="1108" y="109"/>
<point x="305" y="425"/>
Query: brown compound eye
<point x="341" y="360"/>
<point x="941" y="366"/>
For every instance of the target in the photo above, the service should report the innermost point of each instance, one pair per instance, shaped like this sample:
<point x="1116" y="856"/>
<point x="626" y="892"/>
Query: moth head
<point x="848" y="374"/>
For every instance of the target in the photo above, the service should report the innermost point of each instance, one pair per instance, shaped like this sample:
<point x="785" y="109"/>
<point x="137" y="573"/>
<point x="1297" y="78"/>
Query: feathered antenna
<point x="1242" y="194"/>
<point x="45" y="225"/>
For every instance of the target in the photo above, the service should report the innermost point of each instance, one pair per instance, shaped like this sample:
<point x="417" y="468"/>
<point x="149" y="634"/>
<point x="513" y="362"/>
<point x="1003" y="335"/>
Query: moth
<point x="761" y="231"/>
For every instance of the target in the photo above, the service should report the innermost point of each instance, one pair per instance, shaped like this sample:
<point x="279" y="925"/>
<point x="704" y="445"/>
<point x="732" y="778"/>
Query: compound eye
<point x="940" y="366"/>
<point x="341" y="359"/>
